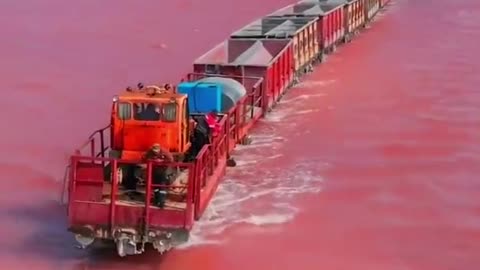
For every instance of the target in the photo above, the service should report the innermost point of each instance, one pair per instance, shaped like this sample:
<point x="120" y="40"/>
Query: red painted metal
<point x="330" y="24"/>
<point x="248" y="110"/>
<point x="355" y="15"/>
<point x="86" y="210"/>
<point x="302" y="31"/>
<point x="113" y="192"/>
<point x="148" y="195"/>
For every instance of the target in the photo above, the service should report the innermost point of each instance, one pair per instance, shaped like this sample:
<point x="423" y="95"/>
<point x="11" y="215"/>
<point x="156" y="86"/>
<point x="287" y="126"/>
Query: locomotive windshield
<point x="147" y="111"/>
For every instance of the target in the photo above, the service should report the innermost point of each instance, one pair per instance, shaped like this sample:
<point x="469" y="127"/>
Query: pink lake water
<point x="370" y="163"/>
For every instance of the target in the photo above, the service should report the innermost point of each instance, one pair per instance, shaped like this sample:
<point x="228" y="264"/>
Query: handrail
<point x="115" y="163"/>
<point x="64" y="191"/>
<point x="256" y="97"/>
<point x="128" y="161"/>
<point x="91" y="141"/>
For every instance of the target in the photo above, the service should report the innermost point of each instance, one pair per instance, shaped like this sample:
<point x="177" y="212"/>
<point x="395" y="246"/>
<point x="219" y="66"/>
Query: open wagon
<point x="355" y="17"/>
<point x="330" y="21"/>
<point x="270" y="59"/>
<point x="302" y="31"/>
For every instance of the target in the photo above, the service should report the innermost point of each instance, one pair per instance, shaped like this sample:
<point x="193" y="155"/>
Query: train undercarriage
<point x="130" y="241"/>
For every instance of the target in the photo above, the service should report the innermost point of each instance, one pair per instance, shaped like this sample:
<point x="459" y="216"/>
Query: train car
<point x="330" y="22"/>
<point x="270" y="59"/>
<point x="355" y="17"/>
<point x="302" y="31"/>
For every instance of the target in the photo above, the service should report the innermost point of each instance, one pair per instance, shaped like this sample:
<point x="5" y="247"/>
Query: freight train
<point x="151" y="173"/>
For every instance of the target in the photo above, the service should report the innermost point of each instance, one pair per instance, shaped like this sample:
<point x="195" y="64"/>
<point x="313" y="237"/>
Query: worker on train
<point x="161" y="175"/>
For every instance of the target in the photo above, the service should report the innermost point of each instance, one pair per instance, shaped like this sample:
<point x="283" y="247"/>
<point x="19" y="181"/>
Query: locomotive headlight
<point x="115" y="98"/>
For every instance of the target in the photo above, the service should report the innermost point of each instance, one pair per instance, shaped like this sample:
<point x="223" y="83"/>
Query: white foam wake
<point x="260" y="190"/>
<point x="265" y="199"/>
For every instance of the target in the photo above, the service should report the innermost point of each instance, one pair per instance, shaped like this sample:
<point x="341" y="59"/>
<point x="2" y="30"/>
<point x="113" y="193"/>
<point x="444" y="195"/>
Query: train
<point x="149" y="175"/>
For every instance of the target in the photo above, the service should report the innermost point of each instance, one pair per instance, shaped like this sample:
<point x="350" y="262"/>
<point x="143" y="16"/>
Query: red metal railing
<point x="75" y="183"/>
<point x="256" y="99"/>
<point x="95" y="140"/>
<point x="207" y="161"/>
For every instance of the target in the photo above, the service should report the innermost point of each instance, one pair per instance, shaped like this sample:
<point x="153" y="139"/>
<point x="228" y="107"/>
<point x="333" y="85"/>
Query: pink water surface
<point x="371" y="163"/>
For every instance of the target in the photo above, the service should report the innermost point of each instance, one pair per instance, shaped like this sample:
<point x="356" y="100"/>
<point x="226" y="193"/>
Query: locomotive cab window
<point x="124" y="110"/>
<point x="147" y="111"/>
<point x="170" y="112"/>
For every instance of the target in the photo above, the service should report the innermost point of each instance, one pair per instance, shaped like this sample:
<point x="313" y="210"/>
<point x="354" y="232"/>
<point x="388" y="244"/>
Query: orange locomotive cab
<point x="150" y="118"/>
<point x="147" y="116"/>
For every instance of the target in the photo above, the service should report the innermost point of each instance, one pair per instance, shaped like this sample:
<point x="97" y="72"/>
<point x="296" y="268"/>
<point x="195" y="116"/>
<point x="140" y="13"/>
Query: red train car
<point x="270" y="59"/>
<point x="330" y="22"/>
<point x="302" y="31"/>
<point x="355" y="17"/>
